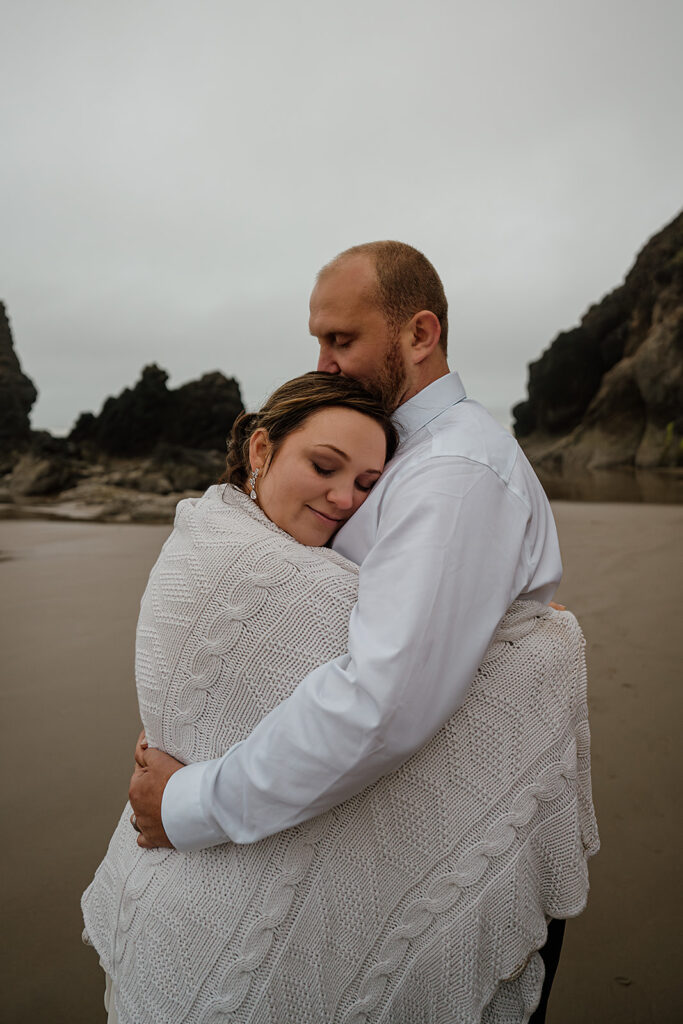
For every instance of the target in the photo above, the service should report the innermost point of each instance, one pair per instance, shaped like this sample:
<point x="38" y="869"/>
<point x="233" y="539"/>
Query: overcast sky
<point x="174" y="173"/>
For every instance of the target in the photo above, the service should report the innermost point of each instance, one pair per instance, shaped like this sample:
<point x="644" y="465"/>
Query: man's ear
<point x="259" y="448"/>
<point x="426" y="332"/>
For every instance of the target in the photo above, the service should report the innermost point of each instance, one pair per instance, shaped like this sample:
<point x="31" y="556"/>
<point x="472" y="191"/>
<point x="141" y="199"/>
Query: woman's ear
<point x="259" y="448"/>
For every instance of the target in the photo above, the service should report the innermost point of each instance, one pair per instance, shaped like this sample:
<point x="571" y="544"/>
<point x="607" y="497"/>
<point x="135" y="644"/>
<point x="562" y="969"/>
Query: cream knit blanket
<point x="412" y="902"/>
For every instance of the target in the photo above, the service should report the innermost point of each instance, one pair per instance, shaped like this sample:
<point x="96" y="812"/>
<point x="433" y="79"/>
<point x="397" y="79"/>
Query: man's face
<point x="355" y="339"/>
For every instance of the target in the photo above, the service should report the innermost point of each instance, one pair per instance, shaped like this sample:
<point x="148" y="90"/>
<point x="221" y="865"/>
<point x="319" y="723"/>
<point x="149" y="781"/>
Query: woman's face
<point x="320" y="474"/>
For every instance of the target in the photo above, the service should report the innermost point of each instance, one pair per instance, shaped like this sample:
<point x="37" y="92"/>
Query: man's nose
<point x="326" y="362"/>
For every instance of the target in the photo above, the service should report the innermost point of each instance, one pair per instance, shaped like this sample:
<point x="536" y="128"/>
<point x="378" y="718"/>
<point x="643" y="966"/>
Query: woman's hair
<point x="290" y="406"/>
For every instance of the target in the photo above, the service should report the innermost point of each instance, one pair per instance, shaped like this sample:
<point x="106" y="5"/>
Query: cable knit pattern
<point x="422" y="899"/>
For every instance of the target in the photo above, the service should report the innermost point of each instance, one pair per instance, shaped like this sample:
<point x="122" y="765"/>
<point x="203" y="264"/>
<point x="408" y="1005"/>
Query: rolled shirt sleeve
<point x="454" y="546"/>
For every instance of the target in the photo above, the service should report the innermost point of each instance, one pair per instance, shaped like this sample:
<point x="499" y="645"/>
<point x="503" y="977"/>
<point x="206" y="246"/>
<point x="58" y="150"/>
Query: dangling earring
<point x="252" y="483"/>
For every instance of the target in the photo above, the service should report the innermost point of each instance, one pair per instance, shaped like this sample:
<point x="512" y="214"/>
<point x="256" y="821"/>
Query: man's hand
<point x="153" y="769"/>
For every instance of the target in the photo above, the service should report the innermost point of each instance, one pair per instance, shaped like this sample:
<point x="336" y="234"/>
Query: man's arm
<point x="448" y="561"/>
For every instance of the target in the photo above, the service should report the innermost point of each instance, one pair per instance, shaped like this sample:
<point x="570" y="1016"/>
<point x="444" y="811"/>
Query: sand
<point x="68" y="603"/>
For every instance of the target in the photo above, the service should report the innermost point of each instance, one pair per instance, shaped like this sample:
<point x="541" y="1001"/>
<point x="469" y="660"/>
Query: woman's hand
<point x="153" y="769"/>
<point x="140" y="748"/>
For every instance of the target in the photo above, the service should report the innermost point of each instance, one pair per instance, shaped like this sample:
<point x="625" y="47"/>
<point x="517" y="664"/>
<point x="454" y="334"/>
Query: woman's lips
<point x="328" y="520"/>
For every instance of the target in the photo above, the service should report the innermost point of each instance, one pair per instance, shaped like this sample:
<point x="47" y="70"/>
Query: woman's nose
<point x="341" y="495"/>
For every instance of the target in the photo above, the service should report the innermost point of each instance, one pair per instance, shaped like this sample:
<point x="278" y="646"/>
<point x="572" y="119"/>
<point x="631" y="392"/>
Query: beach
<point x="69" y="595"/>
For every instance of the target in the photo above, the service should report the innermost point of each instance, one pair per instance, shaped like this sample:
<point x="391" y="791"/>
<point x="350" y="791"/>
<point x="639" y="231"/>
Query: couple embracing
<point x="363" y="789"/>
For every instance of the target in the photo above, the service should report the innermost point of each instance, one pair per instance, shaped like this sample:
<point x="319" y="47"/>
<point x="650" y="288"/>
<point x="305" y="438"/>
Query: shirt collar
<point x="427" y="404"/>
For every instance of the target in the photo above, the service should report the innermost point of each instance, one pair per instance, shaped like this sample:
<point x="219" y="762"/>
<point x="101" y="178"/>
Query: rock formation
<point x="48" y="466"/>
<point x="17" y="395"/>
<point x="147" y="448"/>
<point x="197" y="415"/>
<point x="610" y="391"/>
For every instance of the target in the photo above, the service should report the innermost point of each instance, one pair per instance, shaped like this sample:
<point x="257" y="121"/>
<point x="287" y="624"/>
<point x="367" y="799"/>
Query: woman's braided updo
<point x="290" y="406"/>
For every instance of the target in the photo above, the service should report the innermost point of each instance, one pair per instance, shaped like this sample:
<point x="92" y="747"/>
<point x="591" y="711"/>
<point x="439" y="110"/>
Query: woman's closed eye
<point x="367" y="481"/>
<point x="365" y="485"/>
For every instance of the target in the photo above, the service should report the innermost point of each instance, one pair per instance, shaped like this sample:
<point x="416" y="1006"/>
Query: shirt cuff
<point x="182" y="811"/>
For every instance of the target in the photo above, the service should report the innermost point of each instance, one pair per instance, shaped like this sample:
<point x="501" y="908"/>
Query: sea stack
<point x="610" y="391"/>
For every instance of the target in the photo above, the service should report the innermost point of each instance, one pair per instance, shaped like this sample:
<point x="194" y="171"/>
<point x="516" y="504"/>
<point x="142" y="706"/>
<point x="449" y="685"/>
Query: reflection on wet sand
<point x="658" y="487"/>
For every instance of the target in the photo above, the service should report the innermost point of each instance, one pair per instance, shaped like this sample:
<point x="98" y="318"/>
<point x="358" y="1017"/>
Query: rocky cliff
<point x="17" y="394"/>
<point x="147" y="448"/>
<point x="610" y="391"/>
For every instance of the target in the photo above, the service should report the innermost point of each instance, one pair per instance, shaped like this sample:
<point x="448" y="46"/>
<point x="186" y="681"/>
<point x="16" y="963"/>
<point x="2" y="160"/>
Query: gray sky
<point x="174" y="173"/>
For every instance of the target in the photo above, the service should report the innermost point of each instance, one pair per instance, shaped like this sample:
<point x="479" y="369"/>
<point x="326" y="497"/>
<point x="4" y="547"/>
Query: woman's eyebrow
<point x="332" y="448"/>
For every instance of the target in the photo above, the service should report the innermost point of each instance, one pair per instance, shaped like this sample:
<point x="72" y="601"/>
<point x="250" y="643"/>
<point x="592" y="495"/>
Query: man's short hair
<point x="406" y="283"/>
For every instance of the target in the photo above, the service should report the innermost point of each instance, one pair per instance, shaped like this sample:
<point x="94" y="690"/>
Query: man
<point x="456" y="529"/>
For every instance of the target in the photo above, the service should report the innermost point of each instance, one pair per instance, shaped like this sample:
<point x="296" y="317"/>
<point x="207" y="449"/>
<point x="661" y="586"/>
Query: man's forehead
<point x="341" y="313"/>
<point x="352" y="282"/>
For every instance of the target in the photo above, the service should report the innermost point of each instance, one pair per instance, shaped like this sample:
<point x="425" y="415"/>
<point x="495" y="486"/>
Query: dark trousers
<point x="550" y="954"/>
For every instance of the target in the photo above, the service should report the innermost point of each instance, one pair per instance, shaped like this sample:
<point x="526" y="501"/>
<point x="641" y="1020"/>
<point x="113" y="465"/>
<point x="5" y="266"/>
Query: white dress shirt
<point x="455" y="529"/>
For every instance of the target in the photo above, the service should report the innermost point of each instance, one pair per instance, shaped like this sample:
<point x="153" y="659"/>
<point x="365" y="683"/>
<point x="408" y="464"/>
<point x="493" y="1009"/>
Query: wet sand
<point x="68" y="604"/>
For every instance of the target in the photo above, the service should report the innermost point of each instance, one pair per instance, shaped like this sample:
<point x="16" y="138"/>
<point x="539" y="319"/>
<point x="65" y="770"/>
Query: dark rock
<point x="17" y="392"/>
<point x="44" y="444"/>
<point x="197" y="415"/>
<point x="146" y="450"/>
<point x="36" y="475"/>
<point x="188" y="469"/>
<point x="204" y="411"/>
<point x="85" y="428"/>
<point x="132" y="423"/>
<point x="610" y="392"/>
<point x="148" y="481"/>
<point x="561" y="384"/>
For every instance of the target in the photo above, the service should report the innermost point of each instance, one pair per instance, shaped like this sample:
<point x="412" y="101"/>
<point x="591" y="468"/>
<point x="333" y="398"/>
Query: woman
<point x="406" y="903"/>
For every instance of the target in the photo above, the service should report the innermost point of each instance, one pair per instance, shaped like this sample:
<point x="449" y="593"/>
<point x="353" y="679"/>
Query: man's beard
<point x="391" y="380"/>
